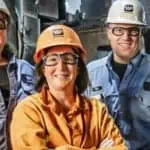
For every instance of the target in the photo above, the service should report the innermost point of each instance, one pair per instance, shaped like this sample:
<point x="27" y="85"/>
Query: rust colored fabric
<point x="42" y="124"/>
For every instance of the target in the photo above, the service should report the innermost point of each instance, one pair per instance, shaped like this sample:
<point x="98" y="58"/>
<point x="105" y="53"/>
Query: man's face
<point x="3" y="30"/>
<point x="124" y="40"/>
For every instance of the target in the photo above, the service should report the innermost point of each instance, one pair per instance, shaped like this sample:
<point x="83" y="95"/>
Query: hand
<point x="107" y="143"/>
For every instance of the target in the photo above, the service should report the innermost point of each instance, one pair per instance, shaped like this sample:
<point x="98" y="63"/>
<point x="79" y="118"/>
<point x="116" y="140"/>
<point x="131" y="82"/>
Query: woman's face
<point x="61" y="68"/>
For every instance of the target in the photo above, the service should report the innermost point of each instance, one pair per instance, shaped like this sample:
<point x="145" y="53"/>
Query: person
<point x="57" y="116"/>
<point x="17" y="77"/>
<point x="122" y="78"/>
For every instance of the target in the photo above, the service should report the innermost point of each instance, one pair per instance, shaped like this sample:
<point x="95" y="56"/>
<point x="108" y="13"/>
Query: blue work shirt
<point x="128" y="100"/>
<point x="21" y="83"/>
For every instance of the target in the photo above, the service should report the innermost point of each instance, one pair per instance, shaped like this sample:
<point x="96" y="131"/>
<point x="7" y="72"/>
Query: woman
<point x="57" y="116"/>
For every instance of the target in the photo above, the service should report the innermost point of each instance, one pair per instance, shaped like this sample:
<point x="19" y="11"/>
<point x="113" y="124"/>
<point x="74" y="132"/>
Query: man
<point x="122" y="78"/>
<point x="16" y="77"/>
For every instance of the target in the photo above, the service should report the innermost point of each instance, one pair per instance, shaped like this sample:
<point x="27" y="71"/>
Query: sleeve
<point x="26" y="78"/>
<point x="26" y="129"/>
<point x="108" y="130"/>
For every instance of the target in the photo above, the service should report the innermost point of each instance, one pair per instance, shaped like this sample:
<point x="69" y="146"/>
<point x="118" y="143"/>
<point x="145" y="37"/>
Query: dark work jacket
<point x="21" y="76"/>
<point x="128" y="100"/>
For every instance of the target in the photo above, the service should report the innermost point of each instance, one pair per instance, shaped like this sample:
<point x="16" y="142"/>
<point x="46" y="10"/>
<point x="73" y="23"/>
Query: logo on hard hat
<point x="128" y="8"/>
<point x="58" y="32"/>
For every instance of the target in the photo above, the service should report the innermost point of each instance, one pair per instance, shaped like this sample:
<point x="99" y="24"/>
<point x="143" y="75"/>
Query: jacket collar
<point x="135" y="61"/>
<point x="55" y="106"/>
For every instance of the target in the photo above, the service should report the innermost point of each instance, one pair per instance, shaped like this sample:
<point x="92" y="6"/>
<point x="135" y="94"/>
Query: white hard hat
<point x="127" y="11"/>
<point x="4" y="8"/>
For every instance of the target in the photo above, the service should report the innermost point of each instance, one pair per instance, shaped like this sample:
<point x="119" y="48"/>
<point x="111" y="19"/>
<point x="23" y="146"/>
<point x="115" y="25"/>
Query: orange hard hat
<point x="57" y="35"/>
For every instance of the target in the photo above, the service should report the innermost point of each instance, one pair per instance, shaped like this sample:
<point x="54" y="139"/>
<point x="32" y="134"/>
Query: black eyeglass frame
<point x="60" y="56"/>
<point x="131" y="30"/>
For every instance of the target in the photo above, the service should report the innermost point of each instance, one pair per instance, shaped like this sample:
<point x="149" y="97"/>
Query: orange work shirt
<point x="39" y="123"/>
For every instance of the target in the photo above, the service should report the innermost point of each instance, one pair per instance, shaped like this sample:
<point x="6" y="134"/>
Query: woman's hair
<point x="81" y="82"/>
<point x="41" y="80"/>
<point x="82" y="79"/>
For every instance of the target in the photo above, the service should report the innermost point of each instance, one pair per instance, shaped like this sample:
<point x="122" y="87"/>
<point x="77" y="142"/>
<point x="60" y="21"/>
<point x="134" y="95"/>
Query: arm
<point x="109" y="132"/>
<point x="26" y="78"/>
<point x="110" y="136"/>
<point x="26" y="130"/>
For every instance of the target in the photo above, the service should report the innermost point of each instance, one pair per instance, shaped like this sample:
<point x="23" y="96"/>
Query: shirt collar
<point x="136" y="60"/>
<point x="48" y="99"/>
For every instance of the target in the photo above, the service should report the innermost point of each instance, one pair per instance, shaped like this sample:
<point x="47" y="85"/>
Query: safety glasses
<point x="54" y="58"/>
<point x="132" y="31"/>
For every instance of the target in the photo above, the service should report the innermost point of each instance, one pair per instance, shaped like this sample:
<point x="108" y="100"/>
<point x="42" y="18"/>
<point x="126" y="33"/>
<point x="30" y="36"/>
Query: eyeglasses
<point x="132" y="31"/>
<point x="67" y="58"/>
<point x="3" y="24"/>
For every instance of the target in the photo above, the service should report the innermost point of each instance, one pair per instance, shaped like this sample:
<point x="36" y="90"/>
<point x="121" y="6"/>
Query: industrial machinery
<point x="87" y="17"/>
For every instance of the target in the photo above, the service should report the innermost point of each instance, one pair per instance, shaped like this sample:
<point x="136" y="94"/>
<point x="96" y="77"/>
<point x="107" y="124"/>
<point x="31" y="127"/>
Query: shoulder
<point x="24" y="67"/>
<point x="98" y="70"/>
<point x="96" y="64"/>
<point x="29" y="102"/>
<point x="24" y="63"/>
<point x="28" y="110"/>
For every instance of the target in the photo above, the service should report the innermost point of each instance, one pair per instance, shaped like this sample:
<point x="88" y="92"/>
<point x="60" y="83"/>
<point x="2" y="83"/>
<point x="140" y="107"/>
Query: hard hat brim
<point x="38" y="56"/>
<point x="123" y="21"/>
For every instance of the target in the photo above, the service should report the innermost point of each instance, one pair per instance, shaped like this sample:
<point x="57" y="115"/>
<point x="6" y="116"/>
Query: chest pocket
<point x="146" y="86"/>
<point x="145" y="95"/>
<point x="140" y="105"/>
<point x="140" y="113"/>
